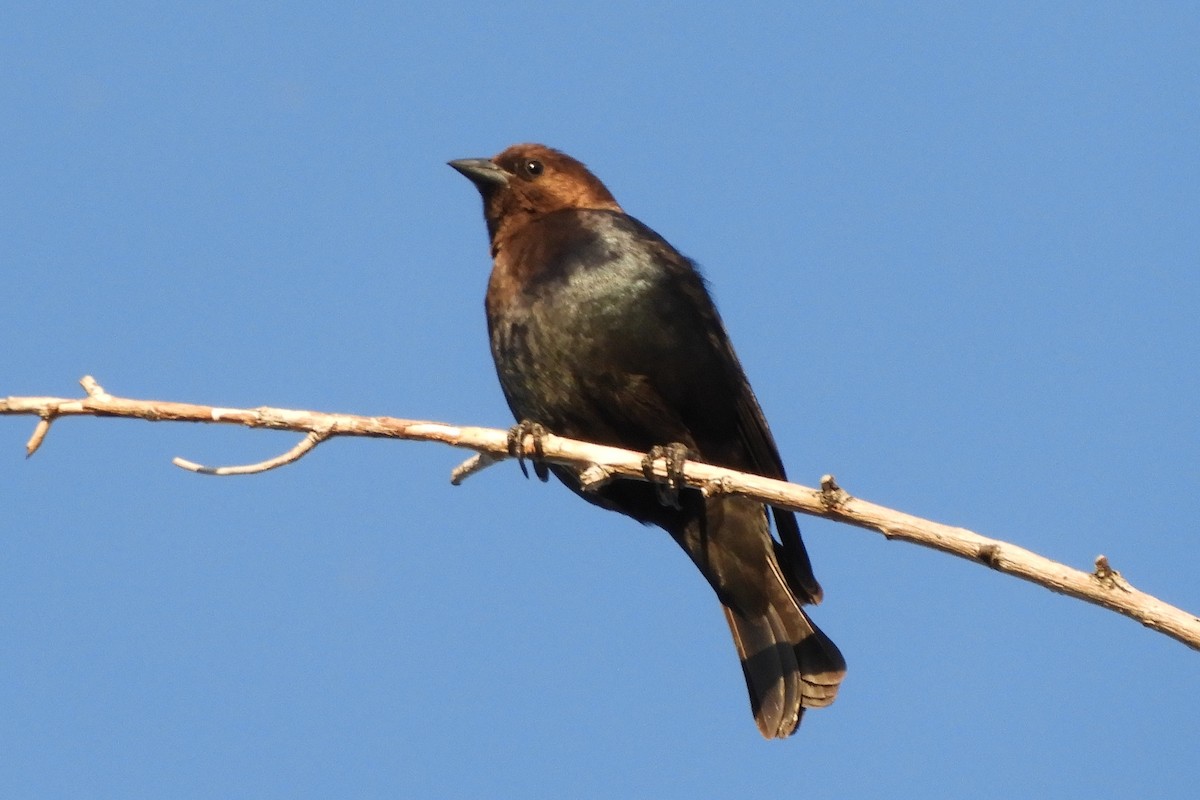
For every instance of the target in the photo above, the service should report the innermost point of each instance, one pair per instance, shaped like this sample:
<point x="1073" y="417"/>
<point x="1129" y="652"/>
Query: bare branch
<point x="1104" y="586"/>
<point x="93" y="388"/>
<point x="594" y="476"/>
<point x="305" y="445"/>
<point x="39" y="434"/>
<point x="476" y="463"/>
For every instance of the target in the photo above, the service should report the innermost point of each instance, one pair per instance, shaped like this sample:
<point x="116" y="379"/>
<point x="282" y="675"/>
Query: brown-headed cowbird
<point x="602" y="331"/>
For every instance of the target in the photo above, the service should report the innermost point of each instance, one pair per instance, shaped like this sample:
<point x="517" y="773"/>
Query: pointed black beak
<point x="485" y="174"/>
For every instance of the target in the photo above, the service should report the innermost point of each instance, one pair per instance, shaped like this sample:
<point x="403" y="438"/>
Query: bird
<point x="602" y="331"/>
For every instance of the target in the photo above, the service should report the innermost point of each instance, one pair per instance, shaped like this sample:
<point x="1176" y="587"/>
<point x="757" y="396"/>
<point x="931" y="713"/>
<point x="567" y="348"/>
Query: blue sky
<point x="957" y="248"/>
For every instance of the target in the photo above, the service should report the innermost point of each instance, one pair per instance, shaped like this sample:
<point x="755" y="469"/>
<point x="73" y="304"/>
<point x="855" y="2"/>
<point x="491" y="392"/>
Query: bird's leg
<point x="516" y="447"/>
<point x="674" y="456"/>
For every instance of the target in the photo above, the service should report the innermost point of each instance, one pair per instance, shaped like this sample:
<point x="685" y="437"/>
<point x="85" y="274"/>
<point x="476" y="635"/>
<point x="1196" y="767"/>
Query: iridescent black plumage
<point x="602" y="331"/>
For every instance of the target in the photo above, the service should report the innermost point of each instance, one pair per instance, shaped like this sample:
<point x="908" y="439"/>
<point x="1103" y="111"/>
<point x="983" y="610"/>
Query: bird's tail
<point x="788" y="662"/>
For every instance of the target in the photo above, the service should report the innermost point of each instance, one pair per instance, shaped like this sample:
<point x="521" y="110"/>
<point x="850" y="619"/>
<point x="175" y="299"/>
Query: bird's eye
<point x="532" y="167"/>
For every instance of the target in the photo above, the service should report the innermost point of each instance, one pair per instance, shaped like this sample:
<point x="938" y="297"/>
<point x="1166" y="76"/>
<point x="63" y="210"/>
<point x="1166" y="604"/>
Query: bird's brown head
<point x="529" y="180"/>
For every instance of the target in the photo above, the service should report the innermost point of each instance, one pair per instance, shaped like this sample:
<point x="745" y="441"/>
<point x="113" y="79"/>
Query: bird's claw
<point x="674" y="457"/>
<point x="516" y="447"/>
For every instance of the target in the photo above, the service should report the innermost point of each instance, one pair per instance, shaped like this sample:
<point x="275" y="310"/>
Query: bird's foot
<point x="516" y="447"/>
<point x="674" y="456"/>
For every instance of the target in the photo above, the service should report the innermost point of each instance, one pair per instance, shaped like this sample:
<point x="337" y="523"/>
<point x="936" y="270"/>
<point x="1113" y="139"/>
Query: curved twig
<point x="476" y="463"/>
<point x="305" y="445"/>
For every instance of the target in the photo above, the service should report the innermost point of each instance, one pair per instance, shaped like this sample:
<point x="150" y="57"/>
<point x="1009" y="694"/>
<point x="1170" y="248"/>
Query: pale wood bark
<point x="597" y="464"/>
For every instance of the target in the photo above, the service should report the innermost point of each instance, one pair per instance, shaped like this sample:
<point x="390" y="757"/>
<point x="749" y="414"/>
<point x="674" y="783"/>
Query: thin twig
<point x="39" y="434"/>
<point x="93" y="388"/>
<point x="476" y="463"/>
<point x="1104" y="586"/>
<point x="305" y="445"/>
<point x="594" y="476"/>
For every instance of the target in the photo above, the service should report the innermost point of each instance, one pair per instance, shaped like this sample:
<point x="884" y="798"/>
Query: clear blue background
<point x="957" y="246"/>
